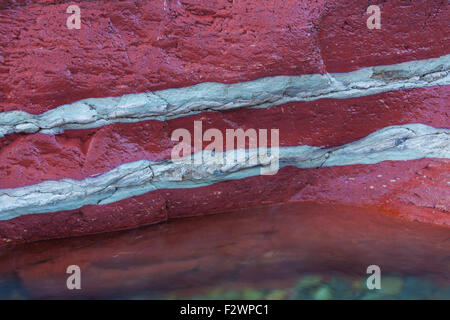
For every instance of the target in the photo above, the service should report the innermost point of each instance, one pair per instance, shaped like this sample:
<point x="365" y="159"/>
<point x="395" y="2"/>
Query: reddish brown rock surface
<point x="78" y="154"/>
<point x="136" y="46"/>
<point x="414" y="190"/>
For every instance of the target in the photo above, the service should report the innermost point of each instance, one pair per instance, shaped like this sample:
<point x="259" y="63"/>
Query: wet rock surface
<point x="142" y="47"/>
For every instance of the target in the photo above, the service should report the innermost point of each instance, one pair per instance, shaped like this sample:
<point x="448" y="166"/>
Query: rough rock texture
<point x="262" y="93"/>
<point x="131" y="47"/>
<point x="416" y="190"/>
<point x="78" y="154"/>
<point x="396" y="143"/>
<point x="137" y="46"/>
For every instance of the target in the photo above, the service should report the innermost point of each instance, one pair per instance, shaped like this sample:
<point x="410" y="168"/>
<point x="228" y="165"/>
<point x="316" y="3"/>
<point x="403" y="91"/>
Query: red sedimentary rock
<point x="78" y="154"/>
<point x="139" y="46"/>
<point x="416" y="190"/>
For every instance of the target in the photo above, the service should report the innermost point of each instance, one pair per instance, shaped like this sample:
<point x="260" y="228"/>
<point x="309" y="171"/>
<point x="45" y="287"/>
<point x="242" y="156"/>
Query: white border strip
<point x="262" y="93"/>
<point x="407" y="142"/>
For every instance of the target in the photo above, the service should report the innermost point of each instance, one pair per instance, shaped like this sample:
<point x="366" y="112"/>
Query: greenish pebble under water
<point x="321" y="287"/>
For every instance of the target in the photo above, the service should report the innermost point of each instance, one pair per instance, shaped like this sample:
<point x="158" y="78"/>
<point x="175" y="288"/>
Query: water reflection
<point x="296" y="251"/>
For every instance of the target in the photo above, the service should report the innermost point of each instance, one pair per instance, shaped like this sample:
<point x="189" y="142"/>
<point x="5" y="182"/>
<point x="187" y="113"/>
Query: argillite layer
<point x="86" y="116"/>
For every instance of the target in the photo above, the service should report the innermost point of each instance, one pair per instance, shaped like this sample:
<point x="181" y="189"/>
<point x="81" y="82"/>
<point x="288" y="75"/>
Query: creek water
<point x="291" y="251"/>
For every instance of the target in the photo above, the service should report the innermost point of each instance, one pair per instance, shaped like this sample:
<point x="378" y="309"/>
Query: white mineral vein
<point x="405" y="142"/>
<point x="261" y="93"/>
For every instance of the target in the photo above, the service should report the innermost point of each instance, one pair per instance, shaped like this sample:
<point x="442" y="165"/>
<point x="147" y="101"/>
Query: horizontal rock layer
<point x="86" y="115"/>
<point x="136" y="178"/>
<point x="261" y="93"/>
<point x="34" y="158"/>
<point x="414" y="190"/>
<point x="138" y="46"/>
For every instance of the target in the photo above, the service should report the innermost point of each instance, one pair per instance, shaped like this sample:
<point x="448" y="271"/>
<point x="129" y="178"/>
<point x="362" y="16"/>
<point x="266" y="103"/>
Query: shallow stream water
<point x="295" y="251"/>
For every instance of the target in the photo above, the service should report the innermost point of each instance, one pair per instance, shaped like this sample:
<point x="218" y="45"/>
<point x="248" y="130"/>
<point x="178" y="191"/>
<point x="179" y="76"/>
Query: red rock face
<point x="415" y="190"/>
<point x="138" y="46"/>
<point x="78" y="154"/>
